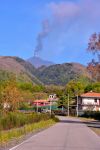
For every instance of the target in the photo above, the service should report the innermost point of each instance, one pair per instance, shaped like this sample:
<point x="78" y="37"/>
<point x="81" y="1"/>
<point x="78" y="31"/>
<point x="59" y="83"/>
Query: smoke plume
<point x="43" y="34"/>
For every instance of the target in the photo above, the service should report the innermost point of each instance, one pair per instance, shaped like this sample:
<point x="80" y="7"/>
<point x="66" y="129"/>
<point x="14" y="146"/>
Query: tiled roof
<point x="40" y="101"/>
<point x="91" y="94"/>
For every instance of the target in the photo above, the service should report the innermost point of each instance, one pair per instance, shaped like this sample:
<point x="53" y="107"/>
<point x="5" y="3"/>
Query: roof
<point x="91" y="94"/>
<point x="40" y="101"/>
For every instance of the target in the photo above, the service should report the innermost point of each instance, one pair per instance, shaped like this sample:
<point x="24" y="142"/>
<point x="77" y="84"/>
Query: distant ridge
<point x="61" y="74"/>
<point x="54" y="74"/>
<point x="38" y="62"/>
<point x="23" y="70"/>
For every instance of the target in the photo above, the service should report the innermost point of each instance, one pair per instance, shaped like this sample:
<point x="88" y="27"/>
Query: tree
<point x="94" y="44"/>
<point x="74" y="88"/>
<point x="53" y="89"/>
<point x="40" y="95"/>
<point x="93" y="87"/>
<point x="94" y="47"/>
<point x="63" y="100"/>
<point x="10" y="96"/>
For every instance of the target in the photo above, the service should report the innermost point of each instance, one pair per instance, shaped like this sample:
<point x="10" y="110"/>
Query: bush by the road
<point x="92" y="114"/>
<point x="17" y="119"/>
<point x="60" y="112"/>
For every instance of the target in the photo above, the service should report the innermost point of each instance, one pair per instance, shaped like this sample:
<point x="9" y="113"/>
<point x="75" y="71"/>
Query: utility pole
<point x="37" y="107"/>
<point x="68" y="104"/>
<point x="77" y="106"/>
<point x="50" y="107"/>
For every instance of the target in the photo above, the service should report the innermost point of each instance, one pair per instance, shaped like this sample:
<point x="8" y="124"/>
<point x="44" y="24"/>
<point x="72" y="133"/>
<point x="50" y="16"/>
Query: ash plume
<point x="43" y="34"/>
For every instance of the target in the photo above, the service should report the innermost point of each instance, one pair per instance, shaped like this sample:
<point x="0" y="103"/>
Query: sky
<point x="57" y="30"/>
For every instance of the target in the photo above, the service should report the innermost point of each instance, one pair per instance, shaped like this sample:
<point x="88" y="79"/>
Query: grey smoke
<point x="43" y="34"/>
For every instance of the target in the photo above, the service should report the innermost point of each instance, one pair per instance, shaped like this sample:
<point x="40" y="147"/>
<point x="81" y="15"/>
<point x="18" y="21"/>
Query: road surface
<point x="69" y="134"/>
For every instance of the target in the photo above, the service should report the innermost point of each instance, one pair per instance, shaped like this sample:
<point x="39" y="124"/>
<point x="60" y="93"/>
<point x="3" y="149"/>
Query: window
<point x="95" y="100"/>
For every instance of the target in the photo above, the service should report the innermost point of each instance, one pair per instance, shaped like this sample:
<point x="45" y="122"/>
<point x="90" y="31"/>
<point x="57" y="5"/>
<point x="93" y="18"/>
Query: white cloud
<point x="63" y="11"/>
<point x="72" y="23"/>
<point x="87" y="11"/>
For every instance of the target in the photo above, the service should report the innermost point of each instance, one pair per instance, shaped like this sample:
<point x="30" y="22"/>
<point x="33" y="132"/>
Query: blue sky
<point x="71" y="22"/>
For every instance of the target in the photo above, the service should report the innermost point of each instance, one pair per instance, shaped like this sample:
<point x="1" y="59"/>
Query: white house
<point x="90" y="101"/>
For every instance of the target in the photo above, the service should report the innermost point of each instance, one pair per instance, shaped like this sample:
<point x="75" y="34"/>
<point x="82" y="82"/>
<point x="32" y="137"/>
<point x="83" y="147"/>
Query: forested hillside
<point x="61" y="74"/>
<point x="23" y="70"/>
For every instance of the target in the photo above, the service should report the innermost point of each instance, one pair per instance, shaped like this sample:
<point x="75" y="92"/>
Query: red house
<point x="41" y="103"/>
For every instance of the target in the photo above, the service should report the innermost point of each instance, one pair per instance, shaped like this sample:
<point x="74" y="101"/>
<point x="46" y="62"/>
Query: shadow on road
<point x="94" y="124"/>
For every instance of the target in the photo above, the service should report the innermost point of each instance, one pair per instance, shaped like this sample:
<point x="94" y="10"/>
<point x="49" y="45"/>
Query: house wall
<point x="90" y="101"/>
<point x="90" y="104"/>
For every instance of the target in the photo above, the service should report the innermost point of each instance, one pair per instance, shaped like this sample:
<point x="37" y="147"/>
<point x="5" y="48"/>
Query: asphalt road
<point x="69" y="134"/>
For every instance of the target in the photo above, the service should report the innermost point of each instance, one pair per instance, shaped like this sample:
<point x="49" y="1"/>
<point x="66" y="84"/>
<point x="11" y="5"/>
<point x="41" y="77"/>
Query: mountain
<point x="61" y="74"/>
<point x="23" y="70"/>
<point x="38" y="62"/>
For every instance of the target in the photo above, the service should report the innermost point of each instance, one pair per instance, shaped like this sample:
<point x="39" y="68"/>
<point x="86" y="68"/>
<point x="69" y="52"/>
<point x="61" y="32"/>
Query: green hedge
<point x="92" y="114"/>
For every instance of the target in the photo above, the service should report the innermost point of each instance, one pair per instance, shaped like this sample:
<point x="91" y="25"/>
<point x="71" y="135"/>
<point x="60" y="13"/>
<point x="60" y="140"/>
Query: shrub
<point x="92" y="114"/>
<point x="17" y="119"/>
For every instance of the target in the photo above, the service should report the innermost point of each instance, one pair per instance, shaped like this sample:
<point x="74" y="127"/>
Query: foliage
<point x="17" y="119"/>
<point x="6" y="136"/>
<point x="53" y="89"/>
<point x="38" y="88"/>
<point x="27" y="95"/>
<point x="94" y="43"/>
<point x="60" y="74"/>
<point x="60" y="112"/>
<point x="9" y="95"/>
<point x="92" y="114"/>
<point x="25" y="86"/>
<point x="5" y="75"/>
<point x="28" y="86"/>
<point x="40" y="95"/>
<point x="63" y="100"/>
<point x="74" y="88"/>
<point x="30" y="91"/>
<point x="94" y="65"/>
<point x="94" y="69"/>
<point x="23" y="70"/>
<point x="93" y="87"/>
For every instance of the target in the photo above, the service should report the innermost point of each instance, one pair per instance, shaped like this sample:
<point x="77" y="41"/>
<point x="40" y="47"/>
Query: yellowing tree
<point x="10" y="96"/>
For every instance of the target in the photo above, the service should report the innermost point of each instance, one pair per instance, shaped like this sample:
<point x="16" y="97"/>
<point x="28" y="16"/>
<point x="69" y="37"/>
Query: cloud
<point x="63" y="11"/>
<point x="71" y="24"/>
<point x="66" y="12"/>
<point x="71" y="17"/>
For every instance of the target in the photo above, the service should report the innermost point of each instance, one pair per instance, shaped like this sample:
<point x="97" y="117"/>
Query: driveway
<point x="69" y="134"/>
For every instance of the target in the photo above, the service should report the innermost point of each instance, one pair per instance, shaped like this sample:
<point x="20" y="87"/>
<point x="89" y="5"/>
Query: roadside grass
<point x="14" y="134"/>
<point x="12" y="120"/>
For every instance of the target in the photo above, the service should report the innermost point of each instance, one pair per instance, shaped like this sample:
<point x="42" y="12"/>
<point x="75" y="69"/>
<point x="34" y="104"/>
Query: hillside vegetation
<point x="61" y="74"/>
<point x="23" y="70"/>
